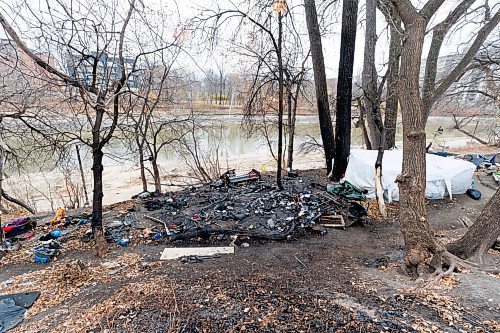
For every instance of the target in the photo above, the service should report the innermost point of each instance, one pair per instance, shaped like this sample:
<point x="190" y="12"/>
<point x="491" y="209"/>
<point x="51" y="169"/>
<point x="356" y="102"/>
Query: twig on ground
<point x="295" y="256"/>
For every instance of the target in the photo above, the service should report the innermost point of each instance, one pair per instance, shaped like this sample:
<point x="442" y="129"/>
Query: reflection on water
<point x="235" y="143"/>
<point x="121" y="174"/>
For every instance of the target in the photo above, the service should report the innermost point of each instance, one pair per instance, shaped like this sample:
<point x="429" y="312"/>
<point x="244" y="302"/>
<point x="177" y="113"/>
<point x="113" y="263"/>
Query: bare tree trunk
<point x="82" y="175"/>
<point x="372" y="100"/>
<point x="481" y="235"/>
<point x="418" y="236"/>
<point x="291" y="129"/>
<point x="370" y="91"/>
<point x="325" y="118"/>
<point x="362" y="123"/>
<point x="142" y="169"/>
<point x="97" y="169"/>
<point x="344" y="88"/>
<point x="280" y="102"/>
<point x="379" y="190"/>
<point x="156" y="174"/>
<point x="392" y="101"/>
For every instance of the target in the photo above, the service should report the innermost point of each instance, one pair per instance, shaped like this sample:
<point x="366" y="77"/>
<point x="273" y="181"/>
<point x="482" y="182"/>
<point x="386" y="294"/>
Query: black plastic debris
<point x="474" y="194"/>
<point x="25" y="300"/>
<point x="13" y="308"/>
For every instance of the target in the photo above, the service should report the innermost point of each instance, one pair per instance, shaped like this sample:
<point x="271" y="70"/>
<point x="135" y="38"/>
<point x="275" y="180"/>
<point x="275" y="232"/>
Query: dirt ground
<point x="345" y="281"/>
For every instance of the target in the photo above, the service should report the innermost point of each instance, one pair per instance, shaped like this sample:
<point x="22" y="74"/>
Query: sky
<point x="199" y="57"/>
<point x="331" y="42"/>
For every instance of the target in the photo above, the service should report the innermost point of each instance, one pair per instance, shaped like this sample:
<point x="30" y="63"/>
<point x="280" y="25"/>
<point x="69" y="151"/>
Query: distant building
<point x="108" y="69"/>
<point x="468" y="89"/>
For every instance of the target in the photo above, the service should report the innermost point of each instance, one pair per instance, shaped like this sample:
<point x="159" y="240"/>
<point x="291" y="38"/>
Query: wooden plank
<point x="177" y="252"/>
<point x="332" y="226"/>
<point x="332" y="221"/>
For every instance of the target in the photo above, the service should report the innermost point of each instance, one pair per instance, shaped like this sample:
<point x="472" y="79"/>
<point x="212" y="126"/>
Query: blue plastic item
<point x="123" y="241"/>
<point x="43" y="260"/>
<point x="56" y="233"/>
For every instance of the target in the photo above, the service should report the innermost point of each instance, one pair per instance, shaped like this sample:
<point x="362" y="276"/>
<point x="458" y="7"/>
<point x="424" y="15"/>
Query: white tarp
<point x="444" y="174"/>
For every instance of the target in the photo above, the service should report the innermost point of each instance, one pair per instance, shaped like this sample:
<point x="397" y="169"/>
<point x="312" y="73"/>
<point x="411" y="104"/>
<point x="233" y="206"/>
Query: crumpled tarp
<point x="346" y="190"/>
<point x="11" y="314"/>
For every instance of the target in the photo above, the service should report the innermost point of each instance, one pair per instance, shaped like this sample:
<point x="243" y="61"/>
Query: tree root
<point x="443" y="259"/>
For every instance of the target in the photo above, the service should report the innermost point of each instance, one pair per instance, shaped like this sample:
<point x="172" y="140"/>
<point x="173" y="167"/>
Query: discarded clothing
<point x="18" y="227"/>
<point x="346" y="190"/>
<point x="59" y="217"/>
<point x="45" y="252"/>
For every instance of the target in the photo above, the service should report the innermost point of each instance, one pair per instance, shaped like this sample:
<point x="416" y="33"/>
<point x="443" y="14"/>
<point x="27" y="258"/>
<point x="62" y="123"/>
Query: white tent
<point x="444" y="174"/>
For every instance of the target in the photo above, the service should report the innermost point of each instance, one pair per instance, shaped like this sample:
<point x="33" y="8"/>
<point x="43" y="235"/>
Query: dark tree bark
<point x="344" y="88"/>
<point x="371" y="99"/>
<point x="325" y="119"/>
<point x="280" y="102"/>
<point x="369" y="84"/>
<point x="291" y="127"/>
<point x="97" y="169"/>
<point x="392" y="101"/>
<point x="98" y="142"/>
<point x="18" y="202"/>
<point x="481" y="235"/>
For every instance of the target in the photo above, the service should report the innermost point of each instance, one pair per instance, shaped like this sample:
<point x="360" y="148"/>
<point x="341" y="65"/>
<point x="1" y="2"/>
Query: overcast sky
<point x="202" y="58"/>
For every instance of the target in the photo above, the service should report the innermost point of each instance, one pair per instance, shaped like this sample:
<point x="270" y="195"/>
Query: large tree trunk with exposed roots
<point x="419" y="238"/>
<point x="481" y="235"/>
<point x="325" y="119"/>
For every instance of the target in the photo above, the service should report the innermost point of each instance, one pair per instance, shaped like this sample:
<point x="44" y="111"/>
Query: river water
<point x="47" y="189"/>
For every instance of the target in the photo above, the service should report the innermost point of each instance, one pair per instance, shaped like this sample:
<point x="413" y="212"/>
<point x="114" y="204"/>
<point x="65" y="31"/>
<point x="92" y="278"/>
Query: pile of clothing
<point x="19" y="227"/>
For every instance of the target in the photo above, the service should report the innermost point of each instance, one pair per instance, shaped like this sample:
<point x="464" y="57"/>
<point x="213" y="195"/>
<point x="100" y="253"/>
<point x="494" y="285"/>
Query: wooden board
<point x="332" y="221"/>
<point x="177" y="252"/>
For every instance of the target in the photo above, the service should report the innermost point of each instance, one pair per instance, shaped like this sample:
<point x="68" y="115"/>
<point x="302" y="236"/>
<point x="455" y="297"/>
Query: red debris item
<point x="8" y="229"/>
<point x="31" y="234"/>
<point x="196" y="216"/>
